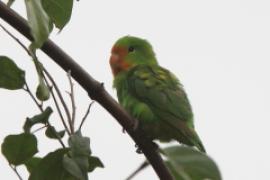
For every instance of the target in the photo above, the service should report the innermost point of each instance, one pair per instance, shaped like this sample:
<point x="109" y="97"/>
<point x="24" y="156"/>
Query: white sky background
<point x="220" y="50"/>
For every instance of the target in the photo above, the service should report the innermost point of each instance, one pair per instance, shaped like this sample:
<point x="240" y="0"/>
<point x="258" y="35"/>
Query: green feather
<point x="154" y="96"/>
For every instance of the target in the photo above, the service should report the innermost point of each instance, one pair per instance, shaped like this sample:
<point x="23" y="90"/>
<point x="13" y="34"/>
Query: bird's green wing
<point x="165" y="96"/>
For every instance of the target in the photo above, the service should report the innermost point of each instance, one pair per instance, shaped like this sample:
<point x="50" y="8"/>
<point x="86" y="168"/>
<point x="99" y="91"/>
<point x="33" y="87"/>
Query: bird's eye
<point x="131" y="49"/>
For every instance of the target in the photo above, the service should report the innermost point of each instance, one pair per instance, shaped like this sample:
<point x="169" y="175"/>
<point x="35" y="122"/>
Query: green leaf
<point x="40" y="118"/>
<point x="82" y="162"/>
<point x="11" y="77"/>
<point x="43" y="91"/>
<point x="32" y="163"/>
<point x="50" y="167"/>
<point x="38" y="21"/>
<point x="94" y="162"/>
<point x="19" y="148"/>
<point x="53" y="134"/>
<point x="80" y="146"/>
<point x="59" y="11"/>
<point x="187" y="163"/>
<point x="73" y="168"/>
<point x="79" y="156"/>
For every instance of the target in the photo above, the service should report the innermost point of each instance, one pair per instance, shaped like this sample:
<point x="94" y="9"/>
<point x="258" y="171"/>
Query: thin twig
<point x="60" y="97"/>
<point x="38" y="129"/>
<point x="86" y="114"/>
<point x="27" y="89"/>
<point x="16" y="39"/>
<point x="16" y="172"/>
<point x="57" y="106"/>
<point x="58" y="137"/>
<point x="141" y="167"/>
<point x="71" y="94"/>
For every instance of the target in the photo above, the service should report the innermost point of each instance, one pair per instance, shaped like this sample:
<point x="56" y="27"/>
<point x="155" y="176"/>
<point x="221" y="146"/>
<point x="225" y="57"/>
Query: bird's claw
<point x="138" y="150"/>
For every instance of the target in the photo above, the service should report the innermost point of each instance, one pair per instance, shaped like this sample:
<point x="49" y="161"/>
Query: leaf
<point x="38" y="21"/>
<point x="32" y="163"/>
<point x="53" y="134"/>
<point x="187" y="163"/>
<point x="73" y="168"/>
<point x="11" y="77"/>
<point x="19" y="148"/>
<point x="59" y="11"/>
<point x="50" y="167"/>
<point x="80" y="146"/>
<point x="94" y="162"/>
<point x="40" y="118"/>
<point x="79" y="152"/>
<point x="43" y="91"/>
<point x="82" y="162"/>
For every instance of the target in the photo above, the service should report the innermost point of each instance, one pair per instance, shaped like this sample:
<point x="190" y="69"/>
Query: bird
<point x="151" y="93"/>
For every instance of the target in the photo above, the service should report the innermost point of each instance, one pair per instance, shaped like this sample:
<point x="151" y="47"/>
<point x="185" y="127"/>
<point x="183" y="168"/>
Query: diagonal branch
<point x="94" y="89"/>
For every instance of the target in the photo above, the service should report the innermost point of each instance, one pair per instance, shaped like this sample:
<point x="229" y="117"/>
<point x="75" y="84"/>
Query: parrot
<point x="152" y="94"/>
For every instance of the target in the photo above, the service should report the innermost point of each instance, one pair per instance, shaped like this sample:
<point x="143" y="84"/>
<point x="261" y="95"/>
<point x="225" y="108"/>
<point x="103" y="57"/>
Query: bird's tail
<point x="189" y="136"/>
<point x="196" y="141"/>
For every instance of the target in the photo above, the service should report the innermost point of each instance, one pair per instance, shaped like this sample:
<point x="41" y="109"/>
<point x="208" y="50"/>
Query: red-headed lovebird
<point x="151" y="93"/>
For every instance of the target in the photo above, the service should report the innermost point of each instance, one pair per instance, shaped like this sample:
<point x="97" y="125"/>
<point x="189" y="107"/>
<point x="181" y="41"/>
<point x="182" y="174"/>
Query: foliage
<point x="74" y="159"/>
<point x="189" y="164"/>
<point x="19" y="148"/>
<point x="11" y="77"/>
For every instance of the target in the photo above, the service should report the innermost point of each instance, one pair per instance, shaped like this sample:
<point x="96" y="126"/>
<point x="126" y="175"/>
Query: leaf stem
<point x="38" y="129"/>
<point x="27" y="89"/>
<point x="57" y="107"/>
<point x="71" y="94"/>
<point x="61" y="98"/>
<point x="16" y="172"/>
<point x="16" y="39"/>
<point x="86" y="114"/>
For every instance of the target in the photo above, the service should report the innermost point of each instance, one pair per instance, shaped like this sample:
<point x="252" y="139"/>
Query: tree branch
<point x="139" y="169"/>
<point x="94" y="89"/>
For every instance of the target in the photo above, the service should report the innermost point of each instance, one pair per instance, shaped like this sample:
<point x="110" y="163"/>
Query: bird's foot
<point x="138" y="150"/>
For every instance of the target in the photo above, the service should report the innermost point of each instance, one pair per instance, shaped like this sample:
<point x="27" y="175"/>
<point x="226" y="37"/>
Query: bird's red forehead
<point x="117" y="61"/>
<point x="119" y="50"/>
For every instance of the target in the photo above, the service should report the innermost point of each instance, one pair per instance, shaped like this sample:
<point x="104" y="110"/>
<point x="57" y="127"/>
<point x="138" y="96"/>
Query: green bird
<point x="151" y="93"/>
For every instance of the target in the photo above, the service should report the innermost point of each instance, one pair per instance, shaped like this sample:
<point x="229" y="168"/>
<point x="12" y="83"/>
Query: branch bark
<point x="94" y="89"/>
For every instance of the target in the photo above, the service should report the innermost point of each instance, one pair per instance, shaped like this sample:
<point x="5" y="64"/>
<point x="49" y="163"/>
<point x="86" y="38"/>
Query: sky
<point x="218" y="49"/>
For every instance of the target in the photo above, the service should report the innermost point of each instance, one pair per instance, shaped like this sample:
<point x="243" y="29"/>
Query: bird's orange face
<point x="117" y="60"/>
